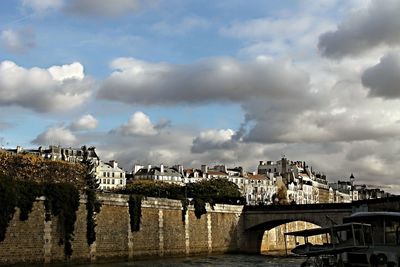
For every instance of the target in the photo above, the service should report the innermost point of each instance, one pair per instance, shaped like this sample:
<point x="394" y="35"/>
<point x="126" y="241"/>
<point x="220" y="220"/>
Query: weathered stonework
<point x="162" y="233"/>
<point x="25" y="241"/>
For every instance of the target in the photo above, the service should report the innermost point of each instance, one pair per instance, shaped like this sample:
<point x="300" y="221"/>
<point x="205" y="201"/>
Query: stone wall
<point x="162" y="233"/>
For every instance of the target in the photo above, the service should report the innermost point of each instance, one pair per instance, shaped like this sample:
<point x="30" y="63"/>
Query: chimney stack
<point x="162" y="168"/>
<point x="204" y="169"/>
<point x="114" y="164"/>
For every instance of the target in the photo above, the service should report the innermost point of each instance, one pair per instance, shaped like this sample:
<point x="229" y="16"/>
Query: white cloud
<point x="213" y="139"/>
<point x="290" y="34"/>
<point x="18" y="41"/>
<point x="268" y="28"/>
<point x="86" y="122"/>
<point x="211" y="80"/>
<point x="279" y="102"/>
<point x="40" y="6"/>
<point x="139" y="124"/>
<point x="44" y="90"/>
<point x="64" y="72"/>
<point x="58" y="135"/>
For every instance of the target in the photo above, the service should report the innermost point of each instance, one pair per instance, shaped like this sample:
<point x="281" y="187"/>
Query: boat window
<point x="392" y="232"/>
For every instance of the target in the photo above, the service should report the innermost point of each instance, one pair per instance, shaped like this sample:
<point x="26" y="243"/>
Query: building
<point x="160" y="173"/>
<point x="259" y="189"/>
<point x="60" y="153"/>
<point x="110" y="176"/>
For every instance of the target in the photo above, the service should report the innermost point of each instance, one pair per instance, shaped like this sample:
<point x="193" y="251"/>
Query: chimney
<point x="204" y="169"/>
<point x="148" y="167"/>
<point x="113" y="164"/>
<point x="241" y="172"/>
<point x="179" y="168"/>
<point x="162" y="168"/>
<point x="136" y="168"/>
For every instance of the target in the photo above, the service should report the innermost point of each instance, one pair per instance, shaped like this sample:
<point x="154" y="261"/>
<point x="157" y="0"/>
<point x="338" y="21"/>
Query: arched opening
<point x="273" y="241"/>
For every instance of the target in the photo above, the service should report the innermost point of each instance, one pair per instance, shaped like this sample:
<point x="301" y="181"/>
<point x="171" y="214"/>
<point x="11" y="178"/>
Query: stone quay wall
<point x="162" y="233"/>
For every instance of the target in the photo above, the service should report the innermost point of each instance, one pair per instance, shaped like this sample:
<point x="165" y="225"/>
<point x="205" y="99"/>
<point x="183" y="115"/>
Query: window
<point x="112" y="174"/>
<point x="120" y="181"/>
<point x="108" y="181"/>
<point x="120" y="175"/>
<point x="104" y="174"/>
<point x="112" y="181"/>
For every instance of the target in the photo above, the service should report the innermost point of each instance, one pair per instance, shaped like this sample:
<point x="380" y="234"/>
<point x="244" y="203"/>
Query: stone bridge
<point x="258" y="219"/>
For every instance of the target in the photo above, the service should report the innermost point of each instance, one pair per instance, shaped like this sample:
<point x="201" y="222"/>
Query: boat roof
<point x="325" y="230"/>
<point x="367" y="214"/>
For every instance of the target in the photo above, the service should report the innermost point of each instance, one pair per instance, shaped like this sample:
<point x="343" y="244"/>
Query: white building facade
<point x="110" y="176"/>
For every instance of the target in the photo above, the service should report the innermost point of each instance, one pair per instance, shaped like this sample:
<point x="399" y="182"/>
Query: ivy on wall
<point x="61" y="199"/>
<point x="93" y="205"/>
<point x="135" y="211"/>
<point x="185" y="203"/>
<point x="199" y="207"/>
<point x="212" y="191"/>
<point x="8" y="201"/>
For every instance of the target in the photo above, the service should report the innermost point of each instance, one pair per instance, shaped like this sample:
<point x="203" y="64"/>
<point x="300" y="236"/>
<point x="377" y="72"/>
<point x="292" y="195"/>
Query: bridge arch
<point x="254" y="236"/>
<point x="275" y="242"/>
<point x="257" y="220"/>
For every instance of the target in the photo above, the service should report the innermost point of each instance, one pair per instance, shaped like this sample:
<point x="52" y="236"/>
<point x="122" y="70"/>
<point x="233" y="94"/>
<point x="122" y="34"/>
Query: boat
<point x="337" y="240"/>
<point x="364" y="239"/>
<point x="384" y="249"/>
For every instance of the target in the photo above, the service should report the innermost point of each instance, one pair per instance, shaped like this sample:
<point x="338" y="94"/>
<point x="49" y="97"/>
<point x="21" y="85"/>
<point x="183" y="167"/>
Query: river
<point x="210" y="261"/>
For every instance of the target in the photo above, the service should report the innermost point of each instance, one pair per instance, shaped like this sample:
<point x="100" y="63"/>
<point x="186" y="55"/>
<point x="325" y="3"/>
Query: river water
<point x="210" y="261"/>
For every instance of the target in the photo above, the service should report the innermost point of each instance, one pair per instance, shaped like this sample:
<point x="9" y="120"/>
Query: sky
<point x="207" y="82"/>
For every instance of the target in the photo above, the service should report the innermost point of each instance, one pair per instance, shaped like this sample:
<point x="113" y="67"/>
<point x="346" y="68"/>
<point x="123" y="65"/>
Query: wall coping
<point x="164" y="203"/>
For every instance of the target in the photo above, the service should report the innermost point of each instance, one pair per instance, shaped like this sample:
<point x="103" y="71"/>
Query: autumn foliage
<point x="27" y="167"/>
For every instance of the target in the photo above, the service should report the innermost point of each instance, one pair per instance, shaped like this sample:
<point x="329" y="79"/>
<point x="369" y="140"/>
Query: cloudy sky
<point x="193" y="82"/>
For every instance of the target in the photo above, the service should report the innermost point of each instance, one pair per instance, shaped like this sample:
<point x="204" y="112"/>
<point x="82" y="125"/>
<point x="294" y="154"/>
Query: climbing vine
<point x="92" y="205"/>
<point x="135" y="211"/>
<point x="212" y="191"/>
<point x="61" y="199"/>
<point x="199" y="207"/>
<point x="27" y="192"/>
<point x="185" y="203"/>
<point x="8" y="201"/>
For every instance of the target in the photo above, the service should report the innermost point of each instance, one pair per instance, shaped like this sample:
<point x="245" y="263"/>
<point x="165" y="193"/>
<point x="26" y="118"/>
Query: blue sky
<point x="192" y="82"/>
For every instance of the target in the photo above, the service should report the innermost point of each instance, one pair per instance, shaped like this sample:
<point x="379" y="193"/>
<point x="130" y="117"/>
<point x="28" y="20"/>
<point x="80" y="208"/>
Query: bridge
<point x="258" y="219"/>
